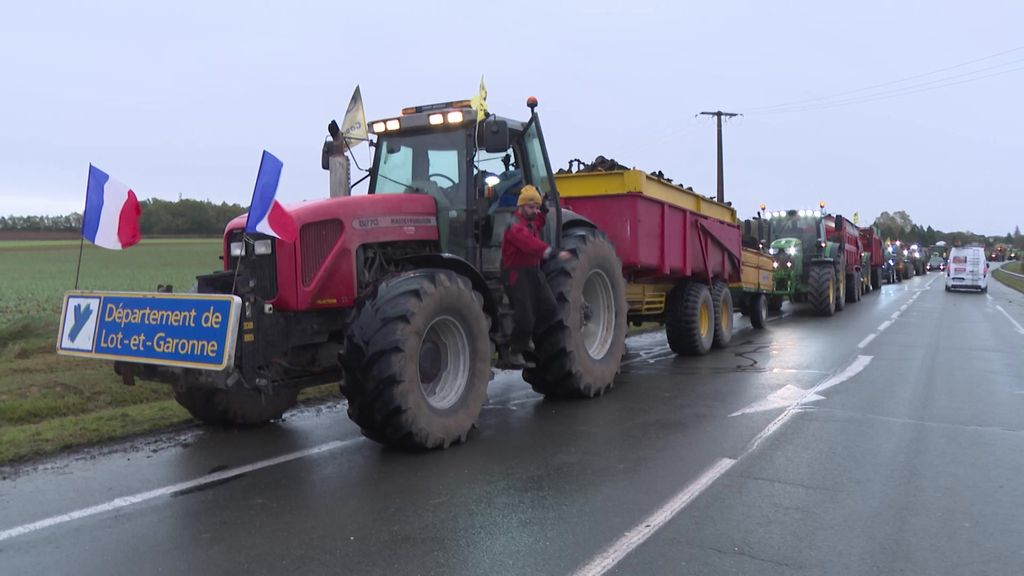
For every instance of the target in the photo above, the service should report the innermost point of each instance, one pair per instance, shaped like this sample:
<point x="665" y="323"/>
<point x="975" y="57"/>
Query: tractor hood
<point x="319" y="269"/>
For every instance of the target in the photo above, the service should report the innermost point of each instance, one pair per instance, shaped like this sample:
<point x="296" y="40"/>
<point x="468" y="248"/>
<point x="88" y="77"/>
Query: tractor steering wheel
<point x="448" y="178"/>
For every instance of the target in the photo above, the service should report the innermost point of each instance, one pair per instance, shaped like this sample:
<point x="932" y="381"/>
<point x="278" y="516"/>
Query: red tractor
<point x="398" y="293"/>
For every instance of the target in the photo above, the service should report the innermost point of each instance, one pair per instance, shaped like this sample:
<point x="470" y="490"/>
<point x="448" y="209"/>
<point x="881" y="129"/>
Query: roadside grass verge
<point x="1010" y="280"/>
<point x="49" y="403"/>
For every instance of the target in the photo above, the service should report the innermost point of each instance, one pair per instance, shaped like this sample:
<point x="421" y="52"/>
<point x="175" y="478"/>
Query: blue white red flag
<point x="111" y="217"/>
<point x="266" y="215"/>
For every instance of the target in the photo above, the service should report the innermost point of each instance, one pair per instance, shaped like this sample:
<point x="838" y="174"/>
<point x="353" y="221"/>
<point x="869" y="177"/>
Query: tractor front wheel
<point x="822" y="289"/>
<point x="417" y="360"/>
<point x="237" y="405"/>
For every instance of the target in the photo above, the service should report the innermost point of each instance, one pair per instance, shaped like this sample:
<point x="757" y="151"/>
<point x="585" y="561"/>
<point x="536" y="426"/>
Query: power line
<point x="883" y="84"/>
<point x="891" y="94"/>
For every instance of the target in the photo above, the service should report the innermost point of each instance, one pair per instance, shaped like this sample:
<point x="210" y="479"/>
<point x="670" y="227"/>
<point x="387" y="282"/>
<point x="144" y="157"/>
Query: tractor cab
<point x="473" y="171"/>
<point x="795" y="234"/>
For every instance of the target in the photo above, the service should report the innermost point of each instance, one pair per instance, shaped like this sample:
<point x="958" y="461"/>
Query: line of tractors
<point x="396" y="293"/>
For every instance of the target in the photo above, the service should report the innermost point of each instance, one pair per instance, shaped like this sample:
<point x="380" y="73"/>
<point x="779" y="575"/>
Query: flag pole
<point x="81" y="232"/>
<point x="81" y="247"/>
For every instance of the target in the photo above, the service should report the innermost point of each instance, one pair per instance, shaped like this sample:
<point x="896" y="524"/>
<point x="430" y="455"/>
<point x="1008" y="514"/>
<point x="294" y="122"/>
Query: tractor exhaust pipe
<point x="335" y="160"/>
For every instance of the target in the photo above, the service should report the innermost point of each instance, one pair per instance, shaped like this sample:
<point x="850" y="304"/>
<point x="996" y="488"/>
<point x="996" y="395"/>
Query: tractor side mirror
<point x="494" y="136"/>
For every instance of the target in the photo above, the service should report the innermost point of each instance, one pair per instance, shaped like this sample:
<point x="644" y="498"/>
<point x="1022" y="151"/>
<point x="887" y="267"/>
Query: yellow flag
<point x="479" y="102"/>
<point x="856" y="218"/>
<point x="354" y="125"/>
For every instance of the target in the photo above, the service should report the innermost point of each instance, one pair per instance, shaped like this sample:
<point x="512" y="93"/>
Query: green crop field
<point x="50" y="402"/>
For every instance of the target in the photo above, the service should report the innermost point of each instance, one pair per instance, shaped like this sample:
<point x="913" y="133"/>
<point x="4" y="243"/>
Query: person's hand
<point x="564" y="255"/>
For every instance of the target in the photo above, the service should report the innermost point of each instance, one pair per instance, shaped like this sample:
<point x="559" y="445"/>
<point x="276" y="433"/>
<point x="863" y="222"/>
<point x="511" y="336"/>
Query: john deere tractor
<point x="817" y="260"/>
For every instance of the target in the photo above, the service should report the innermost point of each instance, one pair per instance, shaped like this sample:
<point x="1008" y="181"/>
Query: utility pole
<point x="721" y="178"/>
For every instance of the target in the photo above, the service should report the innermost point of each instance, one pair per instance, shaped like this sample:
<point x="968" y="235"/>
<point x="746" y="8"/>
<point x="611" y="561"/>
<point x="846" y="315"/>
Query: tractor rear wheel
<point x="690" y="319"/>
<point x="721" y="298"/>
<point x="578" y="353"/>
<point x="758" y="311"/>
<point x="237" y="405"/>
<point x="822" y="289"/>
<point x="417" y="360"/>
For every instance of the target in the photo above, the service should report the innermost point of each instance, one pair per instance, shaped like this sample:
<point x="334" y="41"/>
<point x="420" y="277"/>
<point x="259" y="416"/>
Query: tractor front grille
<point x="317" y="239"/>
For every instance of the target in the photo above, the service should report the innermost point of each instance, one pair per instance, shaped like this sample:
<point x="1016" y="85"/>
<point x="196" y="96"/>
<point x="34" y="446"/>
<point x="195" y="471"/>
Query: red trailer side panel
<point x="658" y="241"/>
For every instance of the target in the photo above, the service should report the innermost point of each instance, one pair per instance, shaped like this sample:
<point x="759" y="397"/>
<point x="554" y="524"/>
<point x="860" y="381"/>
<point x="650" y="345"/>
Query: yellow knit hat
<point x="529" y="194"/>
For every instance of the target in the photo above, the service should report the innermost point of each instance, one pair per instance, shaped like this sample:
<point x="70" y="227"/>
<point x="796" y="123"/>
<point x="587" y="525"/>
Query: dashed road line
<point x="866" y="341"/>
<point x="631" y="540"/>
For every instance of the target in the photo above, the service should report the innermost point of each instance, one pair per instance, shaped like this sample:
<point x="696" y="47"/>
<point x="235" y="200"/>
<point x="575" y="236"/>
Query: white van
<point x="967" y="268"/>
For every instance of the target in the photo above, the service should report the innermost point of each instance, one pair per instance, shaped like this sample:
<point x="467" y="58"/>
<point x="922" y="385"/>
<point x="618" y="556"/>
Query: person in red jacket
<point x="522" y="252"/>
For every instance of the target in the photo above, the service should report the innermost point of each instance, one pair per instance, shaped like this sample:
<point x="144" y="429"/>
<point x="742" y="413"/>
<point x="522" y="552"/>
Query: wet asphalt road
<point x="857" y="444"/>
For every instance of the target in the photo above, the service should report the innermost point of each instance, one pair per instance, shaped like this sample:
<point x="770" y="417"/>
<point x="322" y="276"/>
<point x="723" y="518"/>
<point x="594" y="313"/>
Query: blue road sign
<point x="189" y="330"/>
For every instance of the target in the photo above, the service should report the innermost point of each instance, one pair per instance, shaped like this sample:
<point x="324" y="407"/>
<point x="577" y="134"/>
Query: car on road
<point x="967" y="269"/>
<point x="936" y="263"/>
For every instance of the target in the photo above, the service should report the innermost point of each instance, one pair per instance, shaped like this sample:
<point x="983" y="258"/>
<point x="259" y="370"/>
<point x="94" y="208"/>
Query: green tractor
<point x="817" y="260"/>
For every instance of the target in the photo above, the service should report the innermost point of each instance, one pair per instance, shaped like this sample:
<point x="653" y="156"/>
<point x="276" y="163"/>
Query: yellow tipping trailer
<point x="681" y="253"/>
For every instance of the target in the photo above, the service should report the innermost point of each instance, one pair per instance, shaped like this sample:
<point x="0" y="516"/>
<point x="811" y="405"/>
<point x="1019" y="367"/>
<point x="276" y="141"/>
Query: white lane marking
<point x="852" y="370"/>
<point x="1010" y="318"/>
<point x="651" y="354"/>
<point x="629" y="541"/>
<point x="989" y="296"/>
<point x="782" y="397"/>
<point x="635" y="537"/>
<point x="884" y="325"/>
<point x="866" y="341"/>
<point x="125" y="501"/>
<point x="896" y="314"/>
<point x="904" y="307"/>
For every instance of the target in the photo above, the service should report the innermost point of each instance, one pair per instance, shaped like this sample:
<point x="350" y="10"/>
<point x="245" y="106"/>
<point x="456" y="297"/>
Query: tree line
<point x="900" y="226"/>
<point x="184" y="217"/>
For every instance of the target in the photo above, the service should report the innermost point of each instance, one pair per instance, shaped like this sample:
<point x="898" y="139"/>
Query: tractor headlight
<point x="263" y="247"/>
<point x="775" y="264"/>
<point x="789" y="264"/>
<point x="772" y="251"/>
<point x="236" y="249"/>
<point x="791" y="250"/>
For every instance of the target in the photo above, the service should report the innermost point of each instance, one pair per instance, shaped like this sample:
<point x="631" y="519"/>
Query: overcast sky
<point x="180" y="98"/>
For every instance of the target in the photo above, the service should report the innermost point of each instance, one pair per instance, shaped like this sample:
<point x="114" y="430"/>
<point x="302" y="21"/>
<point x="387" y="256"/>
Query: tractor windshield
<point x="804" y="228"/>
<point x="432" y="163"/>
<point x="425" y="163"/>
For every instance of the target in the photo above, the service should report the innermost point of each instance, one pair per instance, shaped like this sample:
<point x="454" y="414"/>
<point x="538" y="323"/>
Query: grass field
<point x="50" y="402"/>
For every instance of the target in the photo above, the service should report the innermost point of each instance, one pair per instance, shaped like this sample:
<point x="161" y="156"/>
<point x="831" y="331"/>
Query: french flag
<point x="266" y="215"/>
<point x="112" y="211"/>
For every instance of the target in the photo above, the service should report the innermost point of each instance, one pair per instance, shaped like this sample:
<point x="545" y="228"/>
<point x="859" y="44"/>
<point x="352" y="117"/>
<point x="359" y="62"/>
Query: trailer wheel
<point x="690" y="319"/>
<point x="775" y="303"/>
<point x="235" y="406"/>
<point x="417" y="361"/>
<point x="721" y="298"/>
<point x="759" y="311"/>
<point x="579" y="353"/>
<point x="822" y="289"/>
<point x="876" y="278"/>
